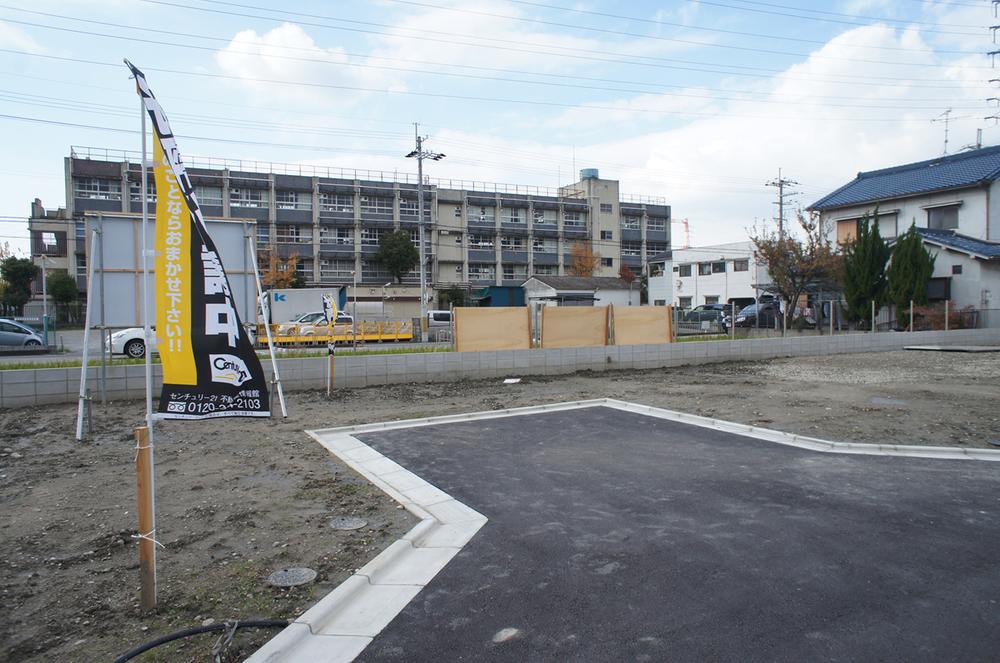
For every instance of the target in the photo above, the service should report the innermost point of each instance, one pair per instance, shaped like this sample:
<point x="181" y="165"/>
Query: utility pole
<point x="419" y="154"/>
<point x="781" y="183"/>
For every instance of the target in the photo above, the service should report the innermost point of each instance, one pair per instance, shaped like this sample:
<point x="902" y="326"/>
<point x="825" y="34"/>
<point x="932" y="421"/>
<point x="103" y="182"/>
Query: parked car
<point x="709" y="312"/>
<point x="18" y="334"/>
<point x="766" y="315"/>
<point x="311" y="324"/>
<point x="131" y="342"/>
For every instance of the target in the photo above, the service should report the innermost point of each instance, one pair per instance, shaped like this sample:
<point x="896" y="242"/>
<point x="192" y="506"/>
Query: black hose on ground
<point x="188" y="632"/>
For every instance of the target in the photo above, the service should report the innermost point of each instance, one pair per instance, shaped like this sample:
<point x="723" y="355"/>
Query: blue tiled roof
<point x="951" y="172"/>
<point x="961" y="242"/>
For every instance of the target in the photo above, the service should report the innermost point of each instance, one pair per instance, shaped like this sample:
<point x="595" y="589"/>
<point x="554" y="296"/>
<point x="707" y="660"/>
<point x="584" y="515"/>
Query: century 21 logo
<point x="228" y="369"/>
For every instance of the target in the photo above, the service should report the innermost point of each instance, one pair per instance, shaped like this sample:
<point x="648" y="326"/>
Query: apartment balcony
<point x="293" y="215"/>
<point x="514" y="257"/>
<point x="482" y="255"/>
<point x="545" y="258"/>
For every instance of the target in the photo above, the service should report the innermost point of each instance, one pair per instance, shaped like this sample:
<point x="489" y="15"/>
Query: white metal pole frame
<point x="354" y="311"/>
<point x="419" y="154"/>
<point x="86" y="340"/>
<point x="267" y="326"/>
<point x="45" y="304"/>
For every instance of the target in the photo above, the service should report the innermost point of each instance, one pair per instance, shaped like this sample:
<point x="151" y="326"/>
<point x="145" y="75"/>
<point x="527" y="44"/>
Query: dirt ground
<point x="238" y="499"/>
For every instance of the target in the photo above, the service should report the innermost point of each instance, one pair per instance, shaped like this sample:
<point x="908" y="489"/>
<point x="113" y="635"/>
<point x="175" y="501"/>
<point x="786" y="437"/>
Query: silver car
<point x="18" y="335"/>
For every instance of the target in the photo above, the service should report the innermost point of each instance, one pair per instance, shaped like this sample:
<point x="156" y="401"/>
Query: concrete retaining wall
<point x="28" y="387"/>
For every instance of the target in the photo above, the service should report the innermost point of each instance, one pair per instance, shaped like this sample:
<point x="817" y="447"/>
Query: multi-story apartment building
<point x="478" y="233"/>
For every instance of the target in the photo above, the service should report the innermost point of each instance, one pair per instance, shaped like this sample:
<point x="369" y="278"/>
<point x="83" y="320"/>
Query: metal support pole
<point x="423" y="248"/>
<point x="354" y="316"/>
<point x="911" y="315"/>
<point x="45" y="306"/>
<point x="873" y="316"/>
<point x="86" y="348"/>
<point x="104" y="332"/>
<point x="267" y="327"/>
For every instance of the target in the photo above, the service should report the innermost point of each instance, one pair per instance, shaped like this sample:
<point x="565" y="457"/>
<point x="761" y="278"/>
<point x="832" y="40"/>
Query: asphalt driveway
<point x="617" y="536"/>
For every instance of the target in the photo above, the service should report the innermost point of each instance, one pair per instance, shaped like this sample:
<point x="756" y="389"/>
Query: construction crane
<point x="687" y="232"/>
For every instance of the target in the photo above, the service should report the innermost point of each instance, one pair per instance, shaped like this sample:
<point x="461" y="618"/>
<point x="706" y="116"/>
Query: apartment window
<point x="336" y="202"/>
<point x="208" y="195"/>
<point x="336" y="236"/>
<point x="684" y="302"/>
<point x="630" y="223"/>
<point x="574" y="219"/>
<point x="458" y="211"/>
<point x="512" y="243"/>
<point x="408" y="207"/>
<point x="513" y="215"/>
<point x="336" y="270"/>
<point x="81" y="231"/>
<point x="656" y="224"/>
<point x="292" y="234"/>
<point x="304" y="268"/>
<point x="546" y="270"/>
<point x="704" y="268"/>
<point x="943" y="218"/>
<point x="482" y="214"/>
<point x="741" y="265"/>
<point x="376" y="205"/>
<point x="135" y="191"/>
<point x="97" y="189"/>
<point x="480" y="241"/>
<point x="479" y="271"/>
<point x="607" y="208"/>
<point x="631" y="248"/>
<point x="684" y="270"/>
<point x="242" y="197"/>
<point x="545" y="217"/>
<point x="543" y="245"/>
<point x="81" y="264"/>
<point x="653" y="248"/>
<point x="607" y="234"/>
<point x="956" y="269"/>
<point x="301" y="200"/>
<point x="515" y="272"/>
<point x="374" y="271"/>
<point x="263" y="233"/>
<point x="719" y="267"/>
<point x="656" y="269"/>
<point x="371" y="236"/>
<point x="607" y="262"/>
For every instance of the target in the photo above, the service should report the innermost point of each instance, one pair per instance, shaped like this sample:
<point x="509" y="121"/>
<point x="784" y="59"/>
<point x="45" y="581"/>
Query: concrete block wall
<point x="24" y="388"/>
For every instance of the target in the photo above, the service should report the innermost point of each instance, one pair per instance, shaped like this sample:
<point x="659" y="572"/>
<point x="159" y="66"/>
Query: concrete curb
<point x="344" y="622"/>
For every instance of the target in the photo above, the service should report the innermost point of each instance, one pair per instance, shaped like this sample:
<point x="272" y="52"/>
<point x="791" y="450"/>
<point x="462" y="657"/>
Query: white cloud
<point x="14" y="38"/>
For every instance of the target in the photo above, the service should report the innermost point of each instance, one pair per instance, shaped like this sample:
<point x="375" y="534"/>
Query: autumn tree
<point x="397" y="254"/>
<point x="583" y="260"/>
<point x="795" y="265"/>
<point x="280" y="272"/>
<point x="909" y="272"/>
<point x="865" y="258"/>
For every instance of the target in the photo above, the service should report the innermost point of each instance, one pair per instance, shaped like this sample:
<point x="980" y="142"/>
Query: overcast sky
<point x="700" y="102"/>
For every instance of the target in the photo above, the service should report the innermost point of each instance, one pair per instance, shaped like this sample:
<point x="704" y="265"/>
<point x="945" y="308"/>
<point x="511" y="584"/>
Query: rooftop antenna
<point x="946" y="118"/>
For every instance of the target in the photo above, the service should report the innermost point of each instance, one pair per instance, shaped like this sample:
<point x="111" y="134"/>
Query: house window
<point x="512" y="215"/>
<point x="408" y="207"/>
<point x="630" y="223"/>
<point x="376" y="205"/>
<point x="573" y="219"/>
<point x="631" y="248"/>
<point x="135" y="191"/>
<point x="336" y="236"/>
<point x="956" y="269"/>
<point x="371" y="236"/>
<point x="336" y="202"/>
<point x="480" y="241"/>
<point x="711" y="299"/>
<point x="301" y="200"/>
<point x="607" y="208"/>
<point x="512" y="243"/>
<point x="847" y="230"/>
<point x="242" y="197"/>
<point x="704" y="268"/>
<point x="304" y="268"/>
<point x="546" y="270"/>
<point x="515" y="272"/>
<point x="684" y="270"/>
<point x="607" y="262"/>
<point x="656" y="269"/>
<point x="210" y="196"/>
<point x="543" y="245"/>
<point x="334" y="270"/>
<point x="656" y="224"/>
<point x="482" y="271"/>
<point x="653" y="248"/>
<point x="97" y="189"/>
<point x="292" y="234"/>
<point x="719" y="268"/>
<point x="943" y="218"/>
<point x="659" y="302"/>
<point x="545" y="217"/>
<point x="482" y="214"/>
<point x="741" y="265"/>
<point x="607" y="234"/>
<point x="684" y="302"/>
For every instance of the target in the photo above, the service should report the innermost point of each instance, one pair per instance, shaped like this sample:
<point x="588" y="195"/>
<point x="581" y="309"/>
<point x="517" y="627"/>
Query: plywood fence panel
<point x="642" y="325"/>
<point x="492" y="328"/>
<point x="574" y="326"/>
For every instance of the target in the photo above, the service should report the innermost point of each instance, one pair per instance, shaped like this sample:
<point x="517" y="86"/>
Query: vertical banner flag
<point x="209" y="366"/>
<point x="329" y="309"/>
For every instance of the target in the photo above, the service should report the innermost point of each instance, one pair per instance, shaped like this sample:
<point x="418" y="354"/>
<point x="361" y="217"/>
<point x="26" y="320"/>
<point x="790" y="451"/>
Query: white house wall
<point x="726" y="285"/>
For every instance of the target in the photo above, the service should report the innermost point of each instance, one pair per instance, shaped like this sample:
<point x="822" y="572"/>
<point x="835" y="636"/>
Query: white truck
<point x="289" y="304"/>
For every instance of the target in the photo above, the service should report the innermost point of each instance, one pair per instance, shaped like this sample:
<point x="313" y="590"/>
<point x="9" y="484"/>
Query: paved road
<point x="614" y="536"/>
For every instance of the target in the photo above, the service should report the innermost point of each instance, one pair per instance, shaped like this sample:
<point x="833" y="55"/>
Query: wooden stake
<point x="147" y="519"/>
<point x="329" y="384"/>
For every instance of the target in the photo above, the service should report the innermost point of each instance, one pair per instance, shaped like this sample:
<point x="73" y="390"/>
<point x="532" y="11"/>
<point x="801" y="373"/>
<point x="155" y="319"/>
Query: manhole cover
<point x="291" y="577"/>
<point x="348" y="522"/>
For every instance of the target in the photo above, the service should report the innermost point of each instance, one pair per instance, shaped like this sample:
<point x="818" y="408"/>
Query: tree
<point x="795" y="265"/>
<point x="910" y="269"/>
<point x="583" y="260"/>
<point x="865" y="258"/>
<point x="62" y="289"/>
<point x="280" y="272"/>
<point x="453" y="296"/>
<point x="397" y="254"/>
<point x="17" y="273"/>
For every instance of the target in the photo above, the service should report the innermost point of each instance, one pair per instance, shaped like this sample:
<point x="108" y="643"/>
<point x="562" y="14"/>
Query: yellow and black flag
<point x="209" y="366"/>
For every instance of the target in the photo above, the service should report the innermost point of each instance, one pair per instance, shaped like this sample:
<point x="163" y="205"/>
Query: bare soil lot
<point x="238" y="499"/>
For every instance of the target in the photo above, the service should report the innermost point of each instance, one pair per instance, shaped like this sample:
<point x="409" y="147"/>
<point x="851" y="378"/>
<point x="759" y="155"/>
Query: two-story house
<point x="954" y="202"/>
